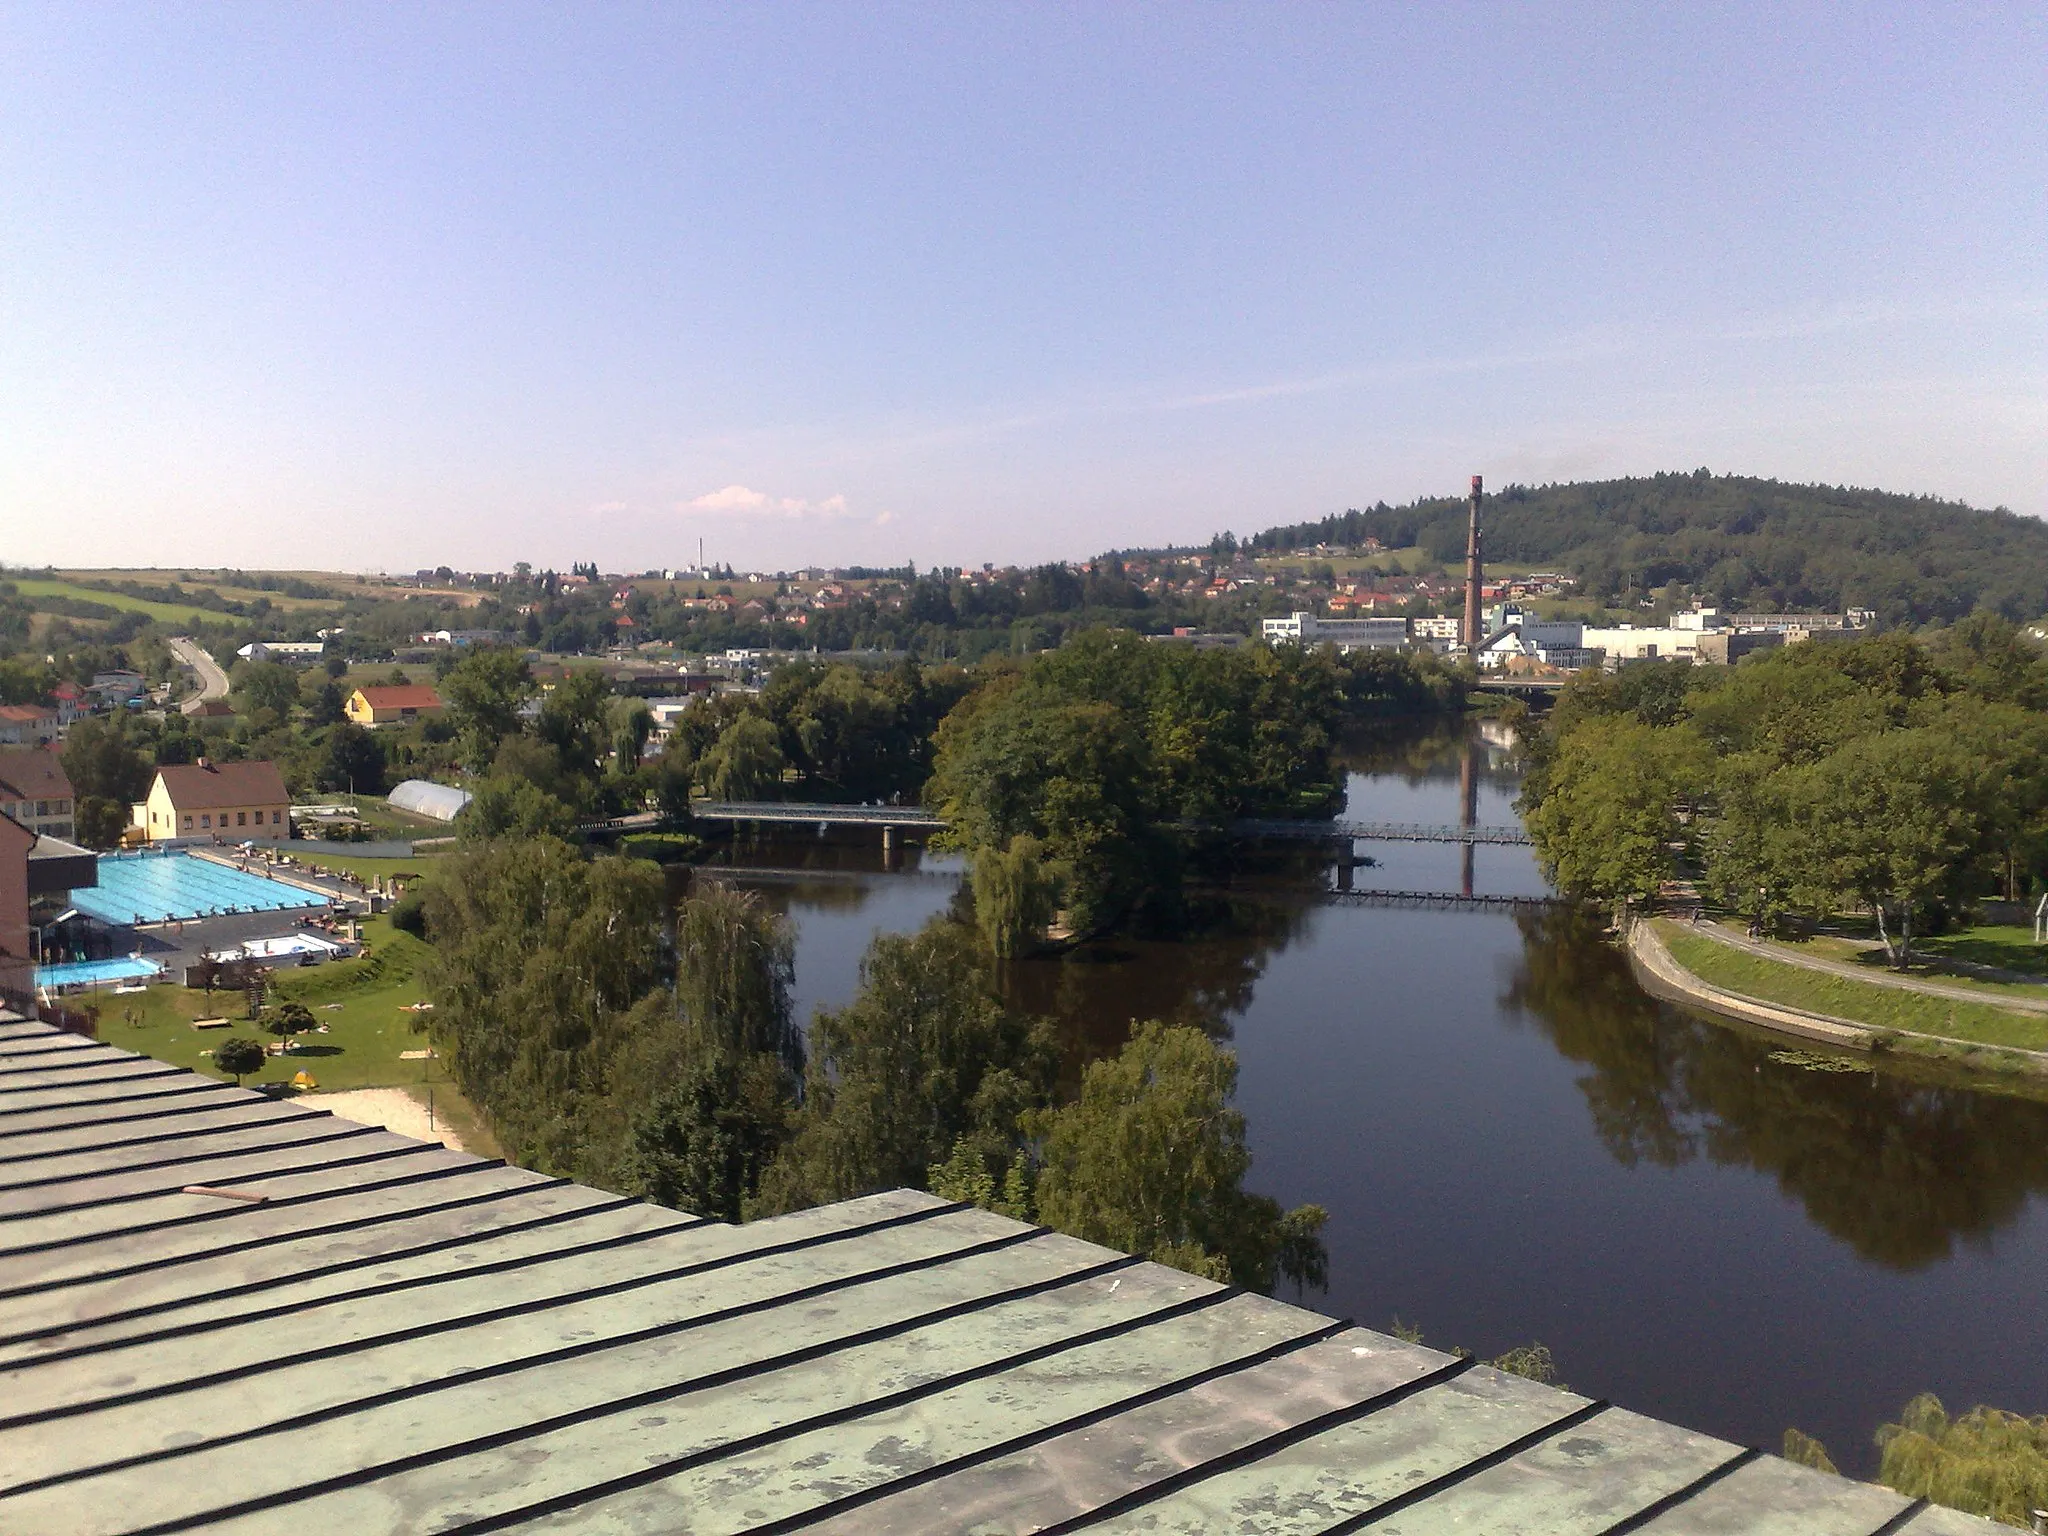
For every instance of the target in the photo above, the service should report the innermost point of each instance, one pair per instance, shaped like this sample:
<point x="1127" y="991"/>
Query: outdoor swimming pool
<point x="74" y="973"/>
<point x="177" y="886"/>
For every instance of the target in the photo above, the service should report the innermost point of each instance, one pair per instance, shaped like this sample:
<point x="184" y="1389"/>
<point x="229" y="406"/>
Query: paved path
<point x="1784" y="956"/>
<point x="213" y="683"/>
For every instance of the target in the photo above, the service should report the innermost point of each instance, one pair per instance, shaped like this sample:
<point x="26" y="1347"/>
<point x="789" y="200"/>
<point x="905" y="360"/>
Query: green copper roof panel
<point x="402" y="1338"/>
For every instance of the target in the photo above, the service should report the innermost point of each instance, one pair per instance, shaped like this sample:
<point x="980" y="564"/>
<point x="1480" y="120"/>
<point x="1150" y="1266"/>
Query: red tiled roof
<point x="32" y="773"/>
<point x="27" y="713"/>
<point x="401" y="696"/>
<point x="196" y="788"/>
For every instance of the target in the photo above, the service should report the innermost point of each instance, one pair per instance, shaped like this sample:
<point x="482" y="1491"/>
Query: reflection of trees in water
<point x="1095" y="991"/>
<point x="1899" y="1169"/>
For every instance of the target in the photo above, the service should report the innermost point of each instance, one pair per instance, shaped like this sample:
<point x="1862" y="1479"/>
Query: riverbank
<point x="1849" y="1013"/>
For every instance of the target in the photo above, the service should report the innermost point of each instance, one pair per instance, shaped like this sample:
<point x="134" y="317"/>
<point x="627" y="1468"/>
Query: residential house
<point x="27" y="725"/>
<point x="392" y="704"/>
<point x="35" y="791"/>
<point x="225" y="801"/>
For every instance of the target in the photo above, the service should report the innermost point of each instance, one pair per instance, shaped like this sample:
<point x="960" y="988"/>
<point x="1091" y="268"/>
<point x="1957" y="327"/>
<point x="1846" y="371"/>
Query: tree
<point x="546" y="967"/>
<point x="1609" y="817"/>
<point x="1886" y="824"/>
<point x="632" y="725"/>
<point x="108" y="774"/>
<point x="1016" y="893"/>
<point x="1151" y="1159"/>
<point x="1987" y="1462"/>
<point x="483" y="692"/>
<point x="288" y="1019"/>
<point x="575" y="721"/>
<point x="735" y="964"/>
<point x="704" y="1143"/>
<point x="674" y="779"/>
<point x="239" y="1056"/>
<point x="268" y="685"/>
<point x="507" y="808"/>
<point x="352" y="759"/>
<point x="924" y="1056"/>
<point x="745" y="763"/>
<point x="327" y="707"/>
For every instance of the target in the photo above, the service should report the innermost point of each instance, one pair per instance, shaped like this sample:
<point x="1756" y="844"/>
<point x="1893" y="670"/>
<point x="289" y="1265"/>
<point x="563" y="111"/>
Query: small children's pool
<point x="75" y="973"/>
<point x="177" y="887"/>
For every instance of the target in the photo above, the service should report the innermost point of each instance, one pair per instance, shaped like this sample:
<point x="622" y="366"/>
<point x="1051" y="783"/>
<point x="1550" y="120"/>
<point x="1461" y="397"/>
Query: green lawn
<point x="2010" y="949"/>
<point x="363" y="868"/>
<point x="361" y="1002"/>
<point x="169" y="613"/>
<point x="1843" y="998"/>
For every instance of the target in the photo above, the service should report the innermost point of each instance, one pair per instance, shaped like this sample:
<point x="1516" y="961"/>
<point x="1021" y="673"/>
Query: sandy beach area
<point x="393" y="1108"/>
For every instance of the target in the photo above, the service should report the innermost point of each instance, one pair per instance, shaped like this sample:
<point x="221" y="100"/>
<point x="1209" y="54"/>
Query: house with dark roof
<point x="35" y="791"/>
<point x="222" y="801"/>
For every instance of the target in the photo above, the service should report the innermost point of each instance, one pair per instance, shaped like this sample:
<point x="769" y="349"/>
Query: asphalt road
<point x="213" y="683"/>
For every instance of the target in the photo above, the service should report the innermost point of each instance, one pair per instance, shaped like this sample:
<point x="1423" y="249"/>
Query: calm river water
<point x="1515" y="1143"/>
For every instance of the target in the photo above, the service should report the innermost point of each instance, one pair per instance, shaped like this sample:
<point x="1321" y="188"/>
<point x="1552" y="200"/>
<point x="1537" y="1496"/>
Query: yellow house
<point x="392" y="705"/>
<point x="225" y="801"/>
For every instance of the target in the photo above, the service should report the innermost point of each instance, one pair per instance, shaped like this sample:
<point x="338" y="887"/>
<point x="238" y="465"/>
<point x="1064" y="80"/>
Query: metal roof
<point x="221" y="1311"/>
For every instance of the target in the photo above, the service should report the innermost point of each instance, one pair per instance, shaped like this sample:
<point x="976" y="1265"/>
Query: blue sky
<point x="380" y="287"/>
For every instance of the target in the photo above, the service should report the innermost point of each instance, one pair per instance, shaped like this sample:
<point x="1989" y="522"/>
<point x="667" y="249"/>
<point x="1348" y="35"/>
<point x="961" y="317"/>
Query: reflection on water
<point x="1516" y="1143"/>
<point x="1899" y="1169"/>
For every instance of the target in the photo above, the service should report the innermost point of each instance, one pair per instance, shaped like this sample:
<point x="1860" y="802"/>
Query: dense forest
<point x="1735" y="541"/>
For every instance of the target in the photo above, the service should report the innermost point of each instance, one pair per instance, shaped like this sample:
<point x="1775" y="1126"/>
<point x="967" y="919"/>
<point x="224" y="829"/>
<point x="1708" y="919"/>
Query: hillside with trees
<point x="1734" y="541"/>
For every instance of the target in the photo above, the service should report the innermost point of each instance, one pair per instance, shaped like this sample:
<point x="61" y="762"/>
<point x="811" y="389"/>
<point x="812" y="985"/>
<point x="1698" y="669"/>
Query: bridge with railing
<point x="915" y="817"/>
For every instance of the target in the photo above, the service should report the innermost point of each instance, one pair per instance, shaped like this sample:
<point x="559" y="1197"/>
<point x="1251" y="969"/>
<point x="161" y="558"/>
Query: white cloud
<point x="744" y="501"/>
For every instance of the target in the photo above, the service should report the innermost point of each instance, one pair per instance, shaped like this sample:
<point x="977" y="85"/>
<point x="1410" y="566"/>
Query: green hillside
<point x="1735" y="541"/>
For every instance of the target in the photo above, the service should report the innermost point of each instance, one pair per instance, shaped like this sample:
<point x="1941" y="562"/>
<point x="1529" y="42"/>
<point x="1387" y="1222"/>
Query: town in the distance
<point x="1698" y="824"/>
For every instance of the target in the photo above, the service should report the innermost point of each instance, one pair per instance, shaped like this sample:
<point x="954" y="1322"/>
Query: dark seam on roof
<point x="532" y="1308"/>
<point x="595" y="1411"/>
<point x="660" y="1470"/>
<point x="282" y="1202"/>
<point x="1444" y="1482"/>
<point x="1683" y="1495"/>
<point x="281" y="1118"/>
<point x="1262" y="1448"/>
<point x="116" y="1079"/>
<point x="686" y="1223"/>
<point x="94" y="1056"/>
<point x="201" y="1086"/>
<point x="295" y="1170"/>
<point x="295" y="1277"/>
<point x="1899" y="1521"/>
<point x="289" y="1235"/>
<point x="1084" y="1420"/>
<point x="225" y="1154"/>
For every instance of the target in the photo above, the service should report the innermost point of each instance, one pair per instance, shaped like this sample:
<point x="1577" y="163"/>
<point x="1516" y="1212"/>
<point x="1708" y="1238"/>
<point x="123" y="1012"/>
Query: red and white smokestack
<point x="1475" y="630"/>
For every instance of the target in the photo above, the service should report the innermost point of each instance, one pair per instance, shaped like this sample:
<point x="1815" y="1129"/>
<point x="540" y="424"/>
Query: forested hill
<point x="1738" y="542"/>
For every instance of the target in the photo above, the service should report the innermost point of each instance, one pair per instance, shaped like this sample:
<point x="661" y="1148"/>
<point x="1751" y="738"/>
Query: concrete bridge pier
<point x="888" y="847"/>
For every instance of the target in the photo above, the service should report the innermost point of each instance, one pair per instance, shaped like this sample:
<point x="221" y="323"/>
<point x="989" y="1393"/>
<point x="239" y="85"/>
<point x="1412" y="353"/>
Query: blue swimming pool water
<point x="175" y="887"/>
<point x="72" y="973"/>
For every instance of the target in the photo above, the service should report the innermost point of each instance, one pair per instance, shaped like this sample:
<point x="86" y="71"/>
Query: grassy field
<point x="169" y="613"/>
<point x="2010" y="949"/>
<point x="363" y="868"/>
<point x="1843" y="998"/>
<point x="361" y="1002"/>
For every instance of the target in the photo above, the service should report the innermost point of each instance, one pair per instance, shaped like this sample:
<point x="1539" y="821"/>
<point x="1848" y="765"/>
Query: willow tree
<point x="1151" y="1159"/>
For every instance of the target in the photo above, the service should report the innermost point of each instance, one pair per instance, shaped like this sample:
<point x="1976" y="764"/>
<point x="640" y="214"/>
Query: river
<point x="1516" y="1144"/>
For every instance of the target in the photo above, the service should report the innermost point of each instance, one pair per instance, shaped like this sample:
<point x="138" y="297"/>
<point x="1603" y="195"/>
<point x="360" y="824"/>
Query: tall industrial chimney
<point x="1475" y="629"/>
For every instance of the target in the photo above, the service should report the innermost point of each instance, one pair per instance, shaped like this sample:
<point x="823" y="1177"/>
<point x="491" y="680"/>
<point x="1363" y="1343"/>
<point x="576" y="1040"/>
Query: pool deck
<point x="224" y="1311"/>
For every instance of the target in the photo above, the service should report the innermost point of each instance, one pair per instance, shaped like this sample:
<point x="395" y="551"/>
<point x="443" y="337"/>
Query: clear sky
<point x="376" y="286"/>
